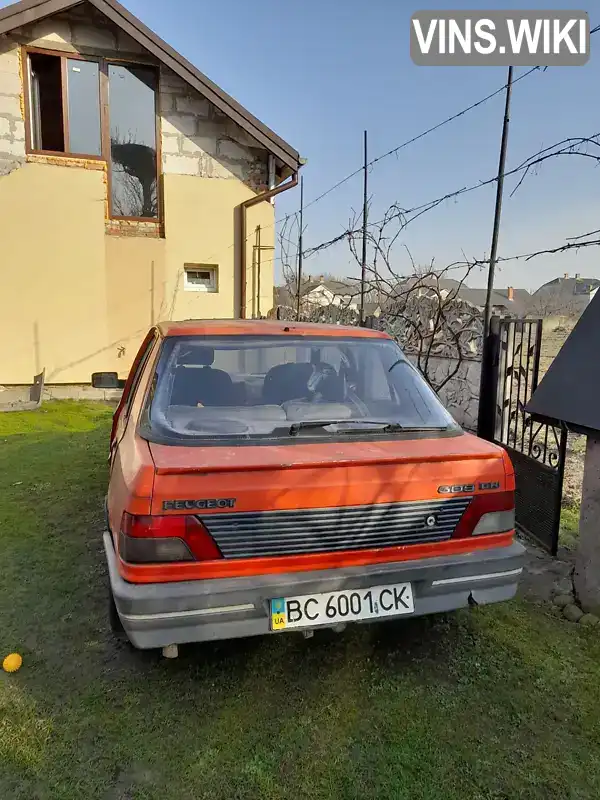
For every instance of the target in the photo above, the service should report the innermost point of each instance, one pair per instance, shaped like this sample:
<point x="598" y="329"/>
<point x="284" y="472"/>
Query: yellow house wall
<point x="76" y="298"/>
<point x="201" y="228"/>
<point x="52" y="274"/>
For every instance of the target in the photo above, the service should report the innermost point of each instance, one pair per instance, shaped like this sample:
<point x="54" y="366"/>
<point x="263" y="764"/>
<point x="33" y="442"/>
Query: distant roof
<point x="569" y="295"/>
<point x="262" y="327"/>
<point x="335" y="286"/>
<point x="575" y="285"/>
<point x="477" y="297"/>
<point x="570" y="390"/>
<point x="28" y="11"/>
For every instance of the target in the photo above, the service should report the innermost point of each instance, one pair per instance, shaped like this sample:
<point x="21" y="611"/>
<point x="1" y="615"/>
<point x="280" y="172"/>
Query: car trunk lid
<point x="308" y="498"/>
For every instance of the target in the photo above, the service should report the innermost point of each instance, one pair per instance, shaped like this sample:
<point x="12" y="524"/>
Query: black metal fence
<point x="537" y="450"/>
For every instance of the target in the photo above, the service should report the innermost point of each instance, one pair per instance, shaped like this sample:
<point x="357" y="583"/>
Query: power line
<point x="396" y="150"/>
<point x="452" y="118"/>
<point x="393" y="151"/>
<point x="564" y="147"/>
<point x="421" y="135"/>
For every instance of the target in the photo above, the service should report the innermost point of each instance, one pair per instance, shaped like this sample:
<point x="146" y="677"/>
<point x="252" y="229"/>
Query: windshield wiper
<point x="361" y="425"/>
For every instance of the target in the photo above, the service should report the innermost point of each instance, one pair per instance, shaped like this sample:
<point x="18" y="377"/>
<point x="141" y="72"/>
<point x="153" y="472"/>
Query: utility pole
<point x="258" y="270"/>
<point x="363" y="271"/>
<point x="300" y="231"/>
<point x="498" y="208"/>
<point x="484" y="425"/>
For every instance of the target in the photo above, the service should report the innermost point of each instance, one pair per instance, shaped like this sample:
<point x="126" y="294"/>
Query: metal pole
<point x="484" y="388"/>
<point x="258" y="273"/>
<point x="363" y="270"/>
<point x="498" y="209"/>
<point x="300" y="232"/>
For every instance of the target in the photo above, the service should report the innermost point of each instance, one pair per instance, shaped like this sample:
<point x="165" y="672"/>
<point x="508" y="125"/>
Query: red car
<point x="272" y="476"/>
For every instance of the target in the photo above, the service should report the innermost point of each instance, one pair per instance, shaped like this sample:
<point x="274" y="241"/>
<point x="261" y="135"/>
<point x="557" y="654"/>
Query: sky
<point x="321" y="72"/>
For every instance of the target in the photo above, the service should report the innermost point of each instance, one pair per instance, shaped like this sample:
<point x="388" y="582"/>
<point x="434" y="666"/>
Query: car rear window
<point x="278" y="386"/>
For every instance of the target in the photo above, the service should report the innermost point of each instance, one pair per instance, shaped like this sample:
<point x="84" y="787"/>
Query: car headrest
<point x="197" y="357"/>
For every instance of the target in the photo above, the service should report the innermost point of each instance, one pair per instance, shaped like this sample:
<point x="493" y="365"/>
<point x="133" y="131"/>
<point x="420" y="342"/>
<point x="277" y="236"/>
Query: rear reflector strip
<point x="470" y="578"/>
<point x="197" y="612"/>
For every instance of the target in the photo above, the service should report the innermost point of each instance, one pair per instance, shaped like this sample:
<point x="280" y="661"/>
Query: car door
<point x="121" y="415"/>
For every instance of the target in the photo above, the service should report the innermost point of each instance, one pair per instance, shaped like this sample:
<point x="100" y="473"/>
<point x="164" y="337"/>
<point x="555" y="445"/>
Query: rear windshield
<point x="277" y="386"/>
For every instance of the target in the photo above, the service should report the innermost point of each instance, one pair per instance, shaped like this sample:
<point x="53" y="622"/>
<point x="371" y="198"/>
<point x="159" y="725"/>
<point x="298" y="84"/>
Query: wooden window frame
<point x="104" y="119"/>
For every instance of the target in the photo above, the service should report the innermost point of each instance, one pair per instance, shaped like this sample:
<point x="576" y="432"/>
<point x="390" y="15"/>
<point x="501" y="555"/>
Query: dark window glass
<point x="83" y="91"/>
<point x="47" y="129"/>
<point x="132" y="111"/>
<point x="258" y="387"/>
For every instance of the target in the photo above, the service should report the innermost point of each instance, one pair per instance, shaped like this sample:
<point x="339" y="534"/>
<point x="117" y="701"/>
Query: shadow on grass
<point x="462" y="705"/>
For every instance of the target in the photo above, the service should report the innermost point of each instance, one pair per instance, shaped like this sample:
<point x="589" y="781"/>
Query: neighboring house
<point x="329" y="291"/>
<point x="131" y="188"/>
<point x="326" y="292"/>
<point x="564" y="296"/>
<point x="505" y="302"/>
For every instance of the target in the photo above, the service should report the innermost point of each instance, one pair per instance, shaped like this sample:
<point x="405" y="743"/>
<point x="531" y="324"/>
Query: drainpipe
<point x="253" y="201"/>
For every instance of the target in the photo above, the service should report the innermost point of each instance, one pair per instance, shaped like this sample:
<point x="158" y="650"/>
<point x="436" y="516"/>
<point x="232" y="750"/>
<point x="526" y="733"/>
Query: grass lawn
<point x="502" y="702"/>
<point x="569" y="526"/>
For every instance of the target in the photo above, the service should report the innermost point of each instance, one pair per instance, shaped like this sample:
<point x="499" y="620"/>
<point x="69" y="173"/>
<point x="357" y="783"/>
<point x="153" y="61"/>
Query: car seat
<point x="196" y="382"/>
<point x="286" y="382"/>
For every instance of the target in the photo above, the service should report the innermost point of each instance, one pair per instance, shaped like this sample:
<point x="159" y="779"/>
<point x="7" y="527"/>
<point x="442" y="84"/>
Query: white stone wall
<point x="196" y="138"/>
<point x="12" y="127"/>
<point x="460" y="394"/>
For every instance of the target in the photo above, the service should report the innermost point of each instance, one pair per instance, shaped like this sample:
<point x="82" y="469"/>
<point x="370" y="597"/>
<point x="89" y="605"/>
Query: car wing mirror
<point x="107" y="380"/>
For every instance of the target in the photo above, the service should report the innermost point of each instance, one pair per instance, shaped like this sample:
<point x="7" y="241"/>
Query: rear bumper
<point x="159" y="614"/>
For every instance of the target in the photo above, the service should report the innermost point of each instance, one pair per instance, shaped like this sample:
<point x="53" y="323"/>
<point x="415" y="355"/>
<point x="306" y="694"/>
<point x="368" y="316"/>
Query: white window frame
<point x="208" y="288"/>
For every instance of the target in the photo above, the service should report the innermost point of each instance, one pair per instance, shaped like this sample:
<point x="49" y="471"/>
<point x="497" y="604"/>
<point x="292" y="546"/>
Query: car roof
<point x="263" y="327"/>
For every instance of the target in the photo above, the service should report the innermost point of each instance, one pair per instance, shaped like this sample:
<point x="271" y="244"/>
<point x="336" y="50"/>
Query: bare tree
<point x="422" y="307"/>
<point x="135" y="193"/>
<point x="286" y="298"/>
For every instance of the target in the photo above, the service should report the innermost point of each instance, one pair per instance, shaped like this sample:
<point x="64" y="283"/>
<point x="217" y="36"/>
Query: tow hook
<point x="340" y="627"/>
<point x="308" y="634"/>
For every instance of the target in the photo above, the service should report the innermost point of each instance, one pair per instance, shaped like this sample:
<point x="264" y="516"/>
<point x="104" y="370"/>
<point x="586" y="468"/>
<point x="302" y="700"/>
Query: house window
<point x="83" y="106"/>
<point x="200" y="278"/>
<point x="64" y="105"/>
<point x="132" y="111"/>
<point x="70" y="106"/>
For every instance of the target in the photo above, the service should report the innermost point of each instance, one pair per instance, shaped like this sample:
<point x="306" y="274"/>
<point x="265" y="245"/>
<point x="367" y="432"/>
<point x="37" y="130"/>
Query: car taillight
<point x="487" y="513"/>
<point x="157" y="539"/>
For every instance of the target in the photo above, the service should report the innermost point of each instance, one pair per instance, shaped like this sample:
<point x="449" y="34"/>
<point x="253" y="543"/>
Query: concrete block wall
<point x="196" y="139"/>
<point x="12" y="127"/>
<point x="460" y="390"/>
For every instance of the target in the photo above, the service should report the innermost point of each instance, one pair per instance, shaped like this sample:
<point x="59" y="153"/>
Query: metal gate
<point x="511" y="367"/>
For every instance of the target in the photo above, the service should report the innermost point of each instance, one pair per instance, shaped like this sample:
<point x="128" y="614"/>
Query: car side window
<point x="142" y="360"/>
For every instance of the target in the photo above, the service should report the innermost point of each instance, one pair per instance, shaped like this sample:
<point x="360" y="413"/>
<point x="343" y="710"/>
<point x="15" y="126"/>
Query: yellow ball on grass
<point x="12" y="662"/>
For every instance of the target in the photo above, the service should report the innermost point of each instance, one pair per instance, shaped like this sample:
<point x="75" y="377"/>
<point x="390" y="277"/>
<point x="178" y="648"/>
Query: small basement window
<point x="200" y="278"/>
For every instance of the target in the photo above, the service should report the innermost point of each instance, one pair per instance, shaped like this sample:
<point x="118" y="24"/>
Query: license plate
<point x="330" y="608"/>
